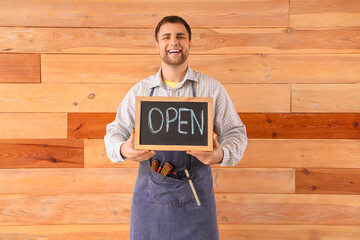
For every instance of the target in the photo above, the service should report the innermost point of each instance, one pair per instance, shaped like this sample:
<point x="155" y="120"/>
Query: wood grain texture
<point x="107" y="97"/>
<point x="227" y="41"/>
<point x="43" y="125"/>
<point x="61" y="97"/>
<point x="88" y="125"/>
<point x="35" y="153"/>
<point x="290" y="209"/>
<point x="326" y="98"/>
<point x="258" y="125"/>
<point x="64" y="209"/>
<point x="276" y="68"/>
<point x="304" y="209"/>
<point x="144" y="14"/>
<point x="302" y="125"/>
<point x="91" y="181"/>
<point x="95" y="156"/>
<point x="260" y="97"/>
<point x="67" y="68"/>
<point x="324" y="13"/>
<point x="263" y="68"/>
<point x="328" y="181"/>
<point x="301" y="153"/>
<point x="227" y="232"/>
<point x="264" y="153"/>
<point x="293" y="232"/>
<point x="61" y="232"/>
<point x="254" y="180"/>
<point x="59" y="181"/>
<point x="19" y="68"/>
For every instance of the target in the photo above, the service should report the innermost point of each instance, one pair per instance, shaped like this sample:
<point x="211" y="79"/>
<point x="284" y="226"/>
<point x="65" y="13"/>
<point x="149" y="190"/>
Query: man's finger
<point x="132" y="135"/>
<point x="215" y="137"/>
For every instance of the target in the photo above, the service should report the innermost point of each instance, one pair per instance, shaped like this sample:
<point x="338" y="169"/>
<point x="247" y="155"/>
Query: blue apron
<point x="165" y="208"/>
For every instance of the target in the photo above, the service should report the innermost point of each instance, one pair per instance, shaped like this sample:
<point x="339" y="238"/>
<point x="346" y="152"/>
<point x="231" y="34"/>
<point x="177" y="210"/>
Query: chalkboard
<point x="173" y="123"/>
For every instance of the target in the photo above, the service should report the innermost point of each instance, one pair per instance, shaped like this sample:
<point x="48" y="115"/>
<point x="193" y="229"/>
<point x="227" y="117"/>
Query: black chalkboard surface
<point x="173" y="123"/>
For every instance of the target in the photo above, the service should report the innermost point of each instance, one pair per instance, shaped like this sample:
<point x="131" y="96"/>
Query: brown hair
<point x="172" y="19"/>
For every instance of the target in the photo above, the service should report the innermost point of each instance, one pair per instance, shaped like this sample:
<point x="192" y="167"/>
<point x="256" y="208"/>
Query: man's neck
<point x="173" y="74"/>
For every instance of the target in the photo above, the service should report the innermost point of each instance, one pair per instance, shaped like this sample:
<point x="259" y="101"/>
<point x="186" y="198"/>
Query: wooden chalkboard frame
<point x="138" y="103"/>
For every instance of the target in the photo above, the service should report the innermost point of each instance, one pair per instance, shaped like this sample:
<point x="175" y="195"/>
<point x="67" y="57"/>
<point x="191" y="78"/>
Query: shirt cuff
<point x="117" y="151"/>
<point x="226" y="157"/>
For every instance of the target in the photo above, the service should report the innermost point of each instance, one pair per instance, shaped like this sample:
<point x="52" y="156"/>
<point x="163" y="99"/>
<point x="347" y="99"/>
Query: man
<point x="165" y="207"/>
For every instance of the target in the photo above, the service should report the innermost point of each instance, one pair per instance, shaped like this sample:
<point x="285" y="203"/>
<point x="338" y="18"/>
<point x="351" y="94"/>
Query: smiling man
<point x="164" y="207"/>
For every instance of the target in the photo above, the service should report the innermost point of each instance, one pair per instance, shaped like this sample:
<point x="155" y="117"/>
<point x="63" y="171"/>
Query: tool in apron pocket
<point x="188" y="178"/>
<point x="165" y="171"/>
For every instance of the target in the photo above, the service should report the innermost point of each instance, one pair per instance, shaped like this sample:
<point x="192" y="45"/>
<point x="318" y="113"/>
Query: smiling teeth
<point x="174" y="51"/>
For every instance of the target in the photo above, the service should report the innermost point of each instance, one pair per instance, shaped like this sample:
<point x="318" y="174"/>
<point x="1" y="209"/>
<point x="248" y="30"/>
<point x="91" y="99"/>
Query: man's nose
<point x="174" y="41"/>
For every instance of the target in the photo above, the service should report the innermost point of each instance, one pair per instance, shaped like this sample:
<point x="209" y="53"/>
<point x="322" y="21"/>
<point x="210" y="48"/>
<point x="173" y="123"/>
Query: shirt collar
<point x="157" y="81"/>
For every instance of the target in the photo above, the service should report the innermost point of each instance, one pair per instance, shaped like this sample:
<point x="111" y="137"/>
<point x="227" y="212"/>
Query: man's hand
<point x="208" y="157"/>
<point x="127" y="150"/>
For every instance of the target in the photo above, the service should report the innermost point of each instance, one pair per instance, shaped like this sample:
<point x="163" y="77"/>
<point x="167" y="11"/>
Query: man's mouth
<point x="174" y="51"/>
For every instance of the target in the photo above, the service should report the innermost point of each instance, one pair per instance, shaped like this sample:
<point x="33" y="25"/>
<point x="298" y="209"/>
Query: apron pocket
<point x="168" y="191"/>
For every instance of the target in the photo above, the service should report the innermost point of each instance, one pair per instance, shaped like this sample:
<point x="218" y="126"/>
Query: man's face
<point x="173" y="44"/>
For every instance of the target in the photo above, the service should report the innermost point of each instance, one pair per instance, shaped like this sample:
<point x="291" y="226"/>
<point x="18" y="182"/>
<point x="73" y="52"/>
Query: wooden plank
<point x="19" y="68"/>
<point x="308" y="209"/>
<point x="302" y="125"/>
<point x="284" y="68"/>
<point x="24" y="232"/>
<point x="85" y="181"/>
<point x="67" y="181"/>
<point x="65" y="209"/>
<point x="258" y="125"/>
<point x="43" y="125"/>
<point x="293" y="232"/>
<point x="326" y="98"/>
<point x="60" y="232"/>
<point x="301" y="153"/>
<point x="325" y="181"/>
<point x="289" y="209"/>
<point x="95" y="156"/>
<point x="66" y="68"/>
<point x="323" y="68"/>
<point x="260" y="97"/>
<point x="264" y="153"/>
<point x="107" y="97"/>
<point x="232" y="41"/>
<point x="144" y="14"/>
<point x="254" y="180"/>
<point x="88" y="125"/>
<point x="324" y="13"/>
<point x="61" y="97"/>
<point x="35" y="153"/>
<point x="227" y="232"/>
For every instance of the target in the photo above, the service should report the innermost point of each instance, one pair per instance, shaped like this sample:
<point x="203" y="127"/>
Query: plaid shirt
<point x="227" y="123"/>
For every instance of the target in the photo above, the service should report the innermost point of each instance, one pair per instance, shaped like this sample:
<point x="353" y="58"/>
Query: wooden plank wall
<point x="292" y="68"/>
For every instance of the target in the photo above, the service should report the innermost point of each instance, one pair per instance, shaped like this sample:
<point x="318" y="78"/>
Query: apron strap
<point x="152" y="91"/>
<point x="193" y="88"/>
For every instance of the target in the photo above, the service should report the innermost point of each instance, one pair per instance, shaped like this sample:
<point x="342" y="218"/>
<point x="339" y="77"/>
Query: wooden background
<point x="292" y="68"/>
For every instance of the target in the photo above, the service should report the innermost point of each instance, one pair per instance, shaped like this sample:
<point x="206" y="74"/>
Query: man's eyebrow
<point x="177" y="34"/>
